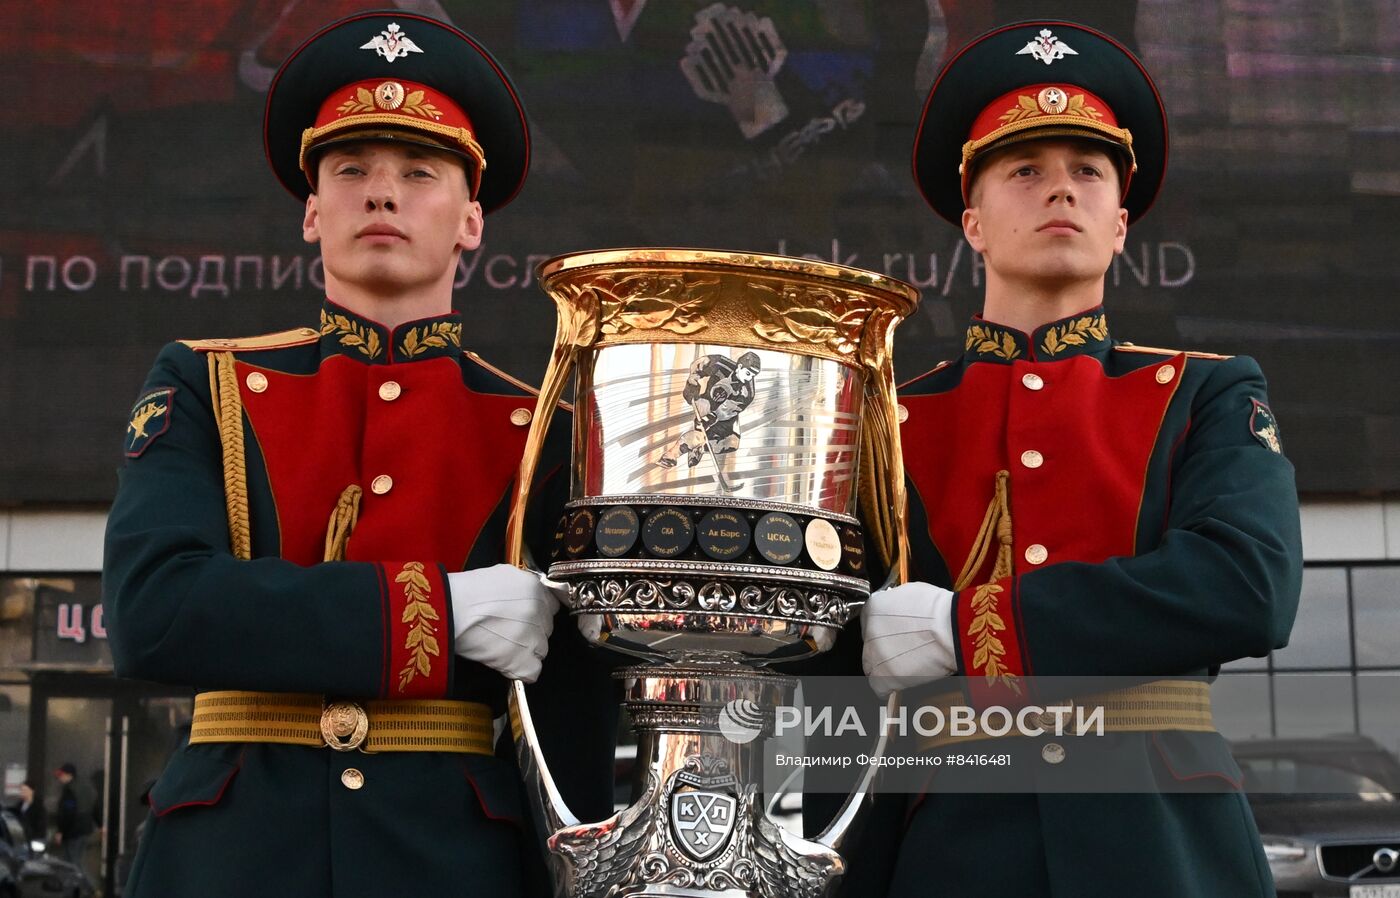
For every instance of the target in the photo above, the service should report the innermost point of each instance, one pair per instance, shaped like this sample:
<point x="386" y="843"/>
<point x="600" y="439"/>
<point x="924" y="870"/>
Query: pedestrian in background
<point x="30" y="811"/>
<point x="74" y="823"/>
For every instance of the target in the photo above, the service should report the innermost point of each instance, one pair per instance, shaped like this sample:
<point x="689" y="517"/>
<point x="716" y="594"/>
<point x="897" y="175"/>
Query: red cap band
<point x="398" y="106"/>
<point x="1060" y="109"/>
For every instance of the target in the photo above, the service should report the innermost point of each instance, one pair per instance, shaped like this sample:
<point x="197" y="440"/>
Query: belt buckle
<point x="344" y="725"/>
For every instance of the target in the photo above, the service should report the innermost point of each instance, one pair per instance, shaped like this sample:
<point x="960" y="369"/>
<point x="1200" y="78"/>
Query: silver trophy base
<point x="696" y="826"/>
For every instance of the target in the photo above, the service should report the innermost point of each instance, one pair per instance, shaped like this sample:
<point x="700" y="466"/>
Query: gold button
<point x="1037" y="554"/>
<point x="901" y="413"/>
<point x="352" y="779"/>
<point x="521" y="416"/>
<point x="257" y="381"/>
<point x="1165" y="374"/>
<point x="390" y="390"/>
<point x="1032" y="459"/>
<point x="1032" y="381"/>
<point x="382" y="484"/>
<point x="1053" y="752"/>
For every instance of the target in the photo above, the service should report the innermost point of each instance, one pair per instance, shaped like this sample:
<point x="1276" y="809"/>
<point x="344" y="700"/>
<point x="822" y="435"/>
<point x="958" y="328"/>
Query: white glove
<point x="502" y="616"/>
<point x="908" y="636"/>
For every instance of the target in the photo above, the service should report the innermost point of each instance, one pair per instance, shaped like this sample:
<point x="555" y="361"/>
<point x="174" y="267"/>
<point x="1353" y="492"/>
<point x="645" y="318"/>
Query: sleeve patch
<point x="1264" y="426"/>
<point x="150" y="418"/>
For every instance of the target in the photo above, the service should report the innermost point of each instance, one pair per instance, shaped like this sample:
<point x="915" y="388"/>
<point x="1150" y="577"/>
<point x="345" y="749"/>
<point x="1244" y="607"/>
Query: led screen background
<point x="138" y="207"/>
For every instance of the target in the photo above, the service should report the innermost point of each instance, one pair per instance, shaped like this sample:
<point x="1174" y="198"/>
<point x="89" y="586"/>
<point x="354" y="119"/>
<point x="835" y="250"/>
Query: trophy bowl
<point x="736" y="484"/>
<point x="723" y="405"/>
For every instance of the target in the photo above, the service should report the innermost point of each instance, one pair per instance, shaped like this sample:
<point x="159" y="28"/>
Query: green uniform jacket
<point x="432" y="436"/>
<point x="1154" y="533"/>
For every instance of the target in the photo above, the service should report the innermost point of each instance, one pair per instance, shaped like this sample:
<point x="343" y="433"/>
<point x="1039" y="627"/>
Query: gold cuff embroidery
<point x="421" y="641"/>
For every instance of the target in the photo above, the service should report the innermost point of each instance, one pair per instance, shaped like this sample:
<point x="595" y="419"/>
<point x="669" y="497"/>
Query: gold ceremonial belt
<point x="372" y="726"/>
<point x="1150" y="707"/>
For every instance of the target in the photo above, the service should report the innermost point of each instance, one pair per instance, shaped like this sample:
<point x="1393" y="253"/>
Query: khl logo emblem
<point x="702" y="821"/>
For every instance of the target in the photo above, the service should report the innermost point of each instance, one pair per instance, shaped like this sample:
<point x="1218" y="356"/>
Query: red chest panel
<point x="1077" y="450"/>
<point x="449" y="455"/>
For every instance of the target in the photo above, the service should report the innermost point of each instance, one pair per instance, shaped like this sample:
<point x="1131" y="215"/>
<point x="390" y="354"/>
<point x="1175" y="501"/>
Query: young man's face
<point x="1047" y="210"/>
<point x="391" y="217"/>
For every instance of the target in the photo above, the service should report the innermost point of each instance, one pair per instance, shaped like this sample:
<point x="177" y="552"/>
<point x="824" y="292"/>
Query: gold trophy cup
<point x="735" y="452"/>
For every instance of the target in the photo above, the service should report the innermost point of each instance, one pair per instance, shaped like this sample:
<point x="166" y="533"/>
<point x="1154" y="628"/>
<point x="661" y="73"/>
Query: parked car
<point x="1328" y="810"/>
<point x="27" y="872"/>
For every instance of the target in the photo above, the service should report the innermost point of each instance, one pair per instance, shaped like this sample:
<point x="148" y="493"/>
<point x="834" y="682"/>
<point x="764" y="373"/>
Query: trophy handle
<point x="884" y="500"/>
<point x="883" y="496"/>
<point x="845" y="826"/>
<point x="550" y="812"/>
<point x="556" y="376"/>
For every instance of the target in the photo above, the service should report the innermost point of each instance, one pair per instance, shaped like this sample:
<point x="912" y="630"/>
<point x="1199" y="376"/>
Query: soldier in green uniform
<point x="310" y="523"/>
<point x="1081" y="506"/>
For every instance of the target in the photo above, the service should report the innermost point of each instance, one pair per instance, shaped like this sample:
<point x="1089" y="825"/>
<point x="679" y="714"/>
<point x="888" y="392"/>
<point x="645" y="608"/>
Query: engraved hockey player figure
<point x="718" y="389"/>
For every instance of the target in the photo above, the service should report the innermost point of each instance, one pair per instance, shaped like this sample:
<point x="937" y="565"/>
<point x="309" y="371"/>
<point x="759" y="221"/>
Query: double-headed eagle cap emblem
<point x="1047" y="48"/>
<point x="391" y="43"/>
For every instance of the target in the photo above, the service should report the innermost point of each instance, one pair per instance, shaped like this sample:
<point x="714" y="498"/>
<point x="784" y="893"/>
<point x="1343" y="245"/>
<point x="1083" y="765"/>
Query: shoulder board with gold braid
<point x="1157" y="350"/>
<point x="512" y="379"/>
<point x="297" y="336"/>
